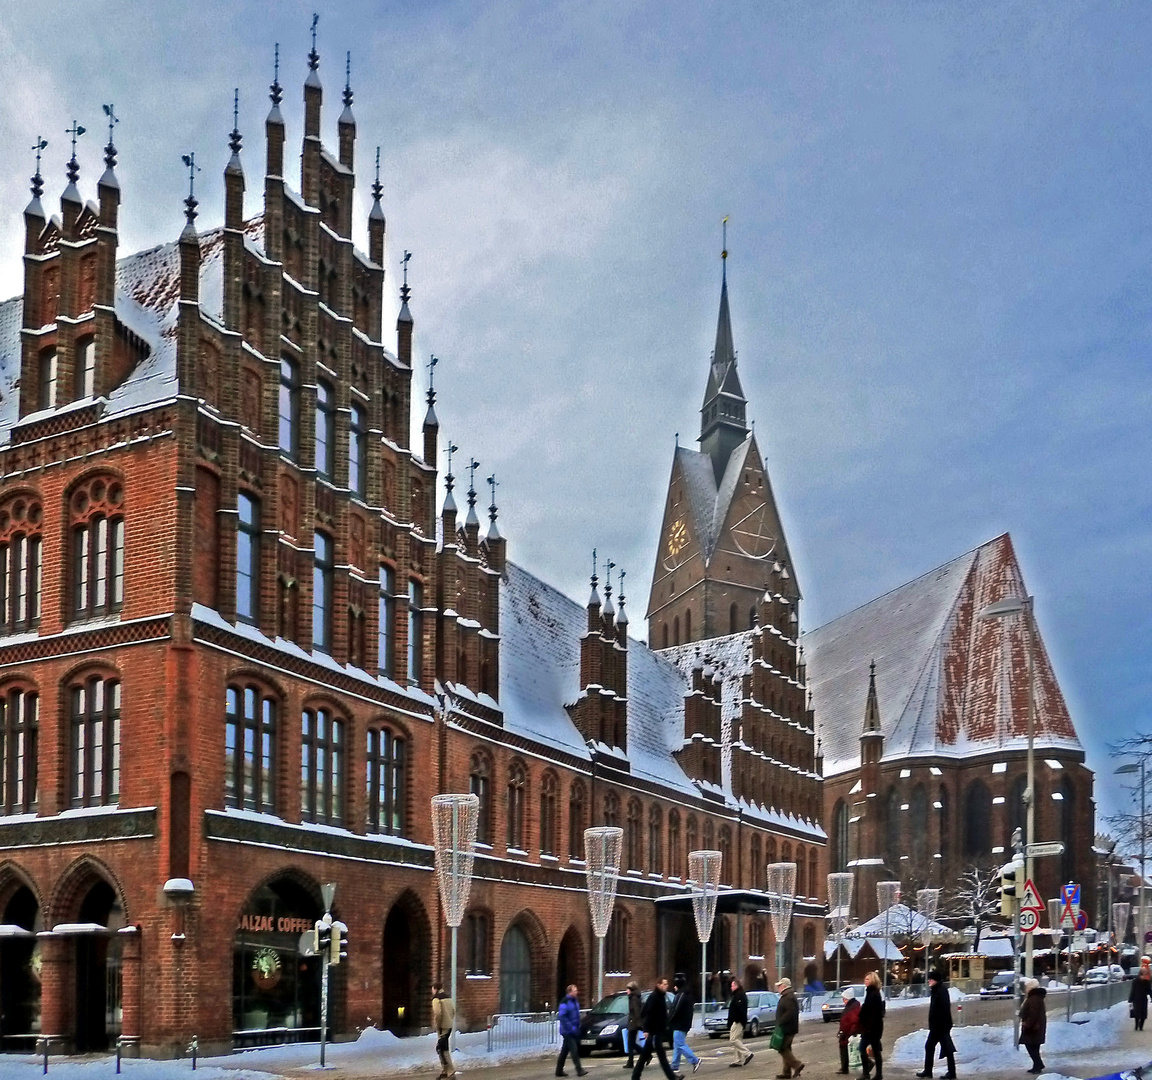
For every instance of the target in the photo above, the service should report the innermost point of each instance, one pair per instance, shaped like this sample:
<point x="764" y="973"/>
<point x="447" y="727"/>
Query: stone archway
<point x="571" y="967"/>
<point x="20" y="963"/>
<point x="406" y="962"/>
<point x="525" y="969"/>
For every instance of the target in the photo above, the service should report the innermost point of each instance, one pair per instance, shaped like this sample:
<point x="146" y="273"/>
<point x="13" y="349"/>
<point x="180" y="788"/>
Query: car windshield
<point x="1003" y="978"/>
<point x="834" y="997"/>
<point x="618" y="1003"/>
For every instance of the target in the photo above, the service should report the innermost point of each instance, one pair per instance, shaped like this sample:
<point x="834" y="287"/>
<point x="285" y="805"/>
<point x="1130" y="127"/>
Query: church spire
<point x="722" y="416"/>
<point x="872" y="708"/>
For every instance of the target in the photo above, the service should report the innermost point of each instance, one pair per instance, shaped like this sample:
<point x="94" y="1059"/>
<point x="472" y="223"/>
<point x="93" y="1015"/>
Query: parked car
<point x="602" y="1027"/>
<point x="1095" y="976"/>
<point x="832" y="1003"/>
<point x="1003" y="984"/>
<point x="761" y="1015"/>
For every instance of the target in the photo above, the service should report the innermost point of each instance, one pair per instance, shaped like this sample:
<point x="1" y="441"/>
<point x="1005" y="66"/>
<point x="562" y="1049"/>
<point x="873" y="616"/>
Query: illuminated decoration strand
<point x="781" y="898"/>
<point x="602" y="847"/>
<point x="704" y="878"/>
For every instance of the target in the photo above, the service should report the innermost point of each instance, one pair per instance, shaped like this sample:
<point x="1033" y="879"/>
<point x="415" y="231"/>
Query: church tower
<point x="721" y="542"/>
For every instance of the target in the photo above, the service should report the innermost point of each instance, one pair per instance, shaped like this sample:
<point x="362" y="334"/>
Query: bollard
<point x="119" y="1047"/>
<point x="45" y="1057"/>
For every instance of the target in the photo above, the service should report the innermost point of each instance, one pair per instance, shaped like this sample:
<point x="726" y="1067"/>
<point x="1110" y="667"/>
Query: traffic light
<point x="339" y="943"/>
<point x="1011" y="882"/>
<point x="322" y="935"/>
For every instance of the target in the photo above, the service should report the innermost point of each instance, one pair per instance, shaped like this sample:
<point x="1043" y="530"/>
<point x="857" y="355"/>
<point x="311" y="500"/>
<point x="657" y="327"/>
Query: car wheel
<point x="754" y="1029"/>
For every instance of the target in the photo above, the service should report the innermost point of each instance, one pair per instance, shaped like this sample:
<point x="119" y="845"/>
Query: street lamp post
<point x="1138" y="767"/>
<point x="1002" y="609"/>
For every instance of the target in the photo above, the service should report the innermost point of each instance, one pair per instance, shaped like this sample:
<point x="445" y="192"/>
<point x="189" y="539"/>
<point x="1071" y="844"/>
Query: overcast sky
<point x="939" y="261"/>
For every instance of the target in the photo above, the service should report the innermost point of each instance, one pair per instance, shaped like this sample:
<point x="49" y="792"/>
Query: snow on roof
<point x="949" y="683"/>
<point x="700" y="486"/>
<point x="898" y="919"/>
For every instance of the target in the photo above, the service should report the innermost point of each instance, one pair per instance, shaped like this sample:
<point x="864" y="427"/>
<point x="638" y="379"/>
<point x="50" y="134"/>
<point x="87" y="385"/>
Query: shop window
<point x="95" y="708"/>
<point x="321" y="767"/>
<point x="250" y="749"/>
<point x="19" y="732"/>
<point x="386" y="781"/>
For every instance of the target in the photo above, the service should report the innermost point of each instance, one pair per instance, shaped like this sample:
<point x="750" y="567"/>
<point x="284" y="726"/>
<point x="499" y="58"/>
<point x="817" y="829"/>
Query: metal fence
<point x="973" y="1011"/>
<point x="523" y="1031"/>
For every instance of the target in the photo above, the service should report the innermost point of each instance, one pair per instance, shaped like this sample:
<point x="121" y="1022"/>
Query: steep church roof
<point x="948" y="683"/>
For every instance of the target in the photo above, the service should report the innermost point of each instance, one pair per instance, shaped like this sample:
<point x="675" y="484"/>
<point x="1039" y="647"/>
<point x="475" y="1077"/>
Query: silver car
<point x="761" y="1015"/>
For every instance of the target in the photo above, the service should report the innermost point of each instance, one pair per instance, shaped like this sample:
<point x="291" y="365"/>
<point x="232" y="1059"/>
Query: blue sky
<point x="939" y="261"/>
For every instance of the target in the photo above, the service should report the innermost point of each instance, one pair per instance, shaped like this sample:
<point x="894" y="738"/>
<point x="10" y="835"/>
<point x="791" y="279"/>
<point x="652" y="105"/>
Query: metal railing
<point x="523" y="1031"/>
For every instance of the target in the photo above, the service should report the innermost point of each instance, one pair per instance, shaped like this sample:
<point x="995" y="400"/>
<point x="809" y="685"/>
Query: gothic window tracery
<point x="21" y="559"/>
<point x="97" y="533"/>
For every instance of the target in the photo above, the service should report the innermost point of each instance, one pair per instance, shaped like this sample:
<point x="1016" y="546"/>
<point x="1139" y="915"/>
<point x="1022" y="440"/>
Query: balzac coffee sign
<point x="274" y="924"/>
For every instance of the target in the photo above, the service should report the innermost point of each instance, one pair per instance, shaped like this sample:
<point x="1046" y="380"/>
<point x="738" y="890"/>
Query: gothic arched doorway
<point x="20" y="965"/>
<point x="406" y="961"/>
<point x="570" y="966"/>
<point x="515" y="971"/>
<point x="99" y="1010"/>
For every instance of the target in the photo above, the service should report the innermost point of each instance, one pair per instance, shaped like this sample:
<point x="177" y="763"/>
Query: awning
<point x="735" y="901"/>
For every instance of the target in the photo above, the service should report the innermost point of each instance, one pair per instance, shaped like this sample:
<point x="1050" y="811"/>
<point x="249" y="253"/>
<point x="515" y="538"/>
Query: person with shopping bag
<point x="939" y="1027"/>
<point x="849" y="1032"/>
<point x="786" y="1029"/>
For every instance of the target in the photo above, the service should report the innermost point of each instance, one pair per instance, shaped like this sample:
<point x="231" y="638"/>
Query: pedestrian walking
<point x="654" y="1025"/>
<point x="737" y="1019"/>
<point x="632" y="1029"/>
<point x="1138" y="997"/>
<point x="788" y="1026"/>
<point x="570" y="1032"/>
<point x="939" y="1027"/>
<point x="849" y="1026"/>
<point x="1034" y="1022"/>
<point x="443" y="1020"/>
<point x="872" y="1027"/>
<point x="681" y="1023"/>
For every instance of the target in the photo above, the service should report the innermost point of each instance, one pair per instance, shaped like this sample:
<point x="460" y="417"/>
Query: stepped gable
<point x="949" y="684"/>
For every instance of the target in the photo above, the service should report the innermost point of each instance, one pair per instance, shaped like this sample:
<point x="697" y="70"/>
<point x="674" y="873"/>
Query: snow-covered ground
<point x="25" y="1068"/>
<point x="1095" y="1039"/>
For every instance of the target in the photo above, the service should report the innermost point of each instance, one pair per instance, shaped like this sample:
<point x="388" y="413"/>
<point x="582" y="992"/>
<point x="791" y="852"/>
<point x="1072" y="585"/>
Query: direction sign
<point x="1031" y="899"/>
<point x="1041" y="851"/>
<point x="1029" y="920"/>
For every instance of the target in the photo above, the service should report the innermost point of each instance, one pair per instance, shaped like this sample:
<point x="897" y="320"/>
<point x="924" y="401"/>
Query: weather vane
<point x="724" y="251"/>
<point x="493" y="484"/>
<point x="348" y="79"/>
<point x="609" y="566"/>
<point x="407" y="256"/>
<point x="75" y="131"/>
<point x="190" y="161"/>
<point x="38" y="180"/>
<point x="593" y="568"/>
<point x="113" y="120"/>
<point x="473" y="465"/>
<point x="450" y="450"/>
<point x="314" y="56"/>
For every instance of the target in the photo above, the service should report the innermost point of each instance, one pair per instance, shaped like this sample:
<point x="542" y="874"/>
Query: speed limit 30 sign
<point x="1029" y="920"/>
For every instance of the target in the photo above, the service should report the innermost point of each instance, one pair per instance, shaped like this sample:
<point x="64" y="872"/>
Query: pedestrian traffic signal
<point x="1011" y="882"/>
<point x="339" y="946"/>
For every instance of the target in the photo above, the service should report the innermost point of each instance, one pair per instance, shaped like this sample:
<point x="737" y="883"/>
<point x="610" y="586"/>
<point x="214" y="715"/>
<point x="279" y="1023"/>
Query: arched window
<point x="709" y="835"/>
<point x="840" y="837"/>
<point x="97" y="516"/>
<point x="321" y="767"/>
<point x="770" y="852"/>
<point x="21" y="548"/>
<point x="632" y="843"/>
<point x="19" y="733"/>
<point x="756" y="858"/>
<point x="676" y="630"/>
<point x="664" y="628"/>
<point x="480" y="785"/>
<point x="732" y="619"/>
<point x="95" y="707"/>
<point x="577" y="802"/>
<point x="813" y="882"/>
<point x="549" y="788"/>
<point x="323" y="578"/>
<point x="919" y="827"/>
<point x="517" y="805"/>
<point x="247" y="558"/>
<point x="809" y="942"/>
<point x="477" y="943"/>
<point x="250" y="749"/>
<point x="724" y="845"/>
<point x="616" y="953"/>
<point x="655" y="844"/>
<point x="801" y="871"/>
<point x="1067" y="802"/>
<point x="691" y="835"/>
<point x="675" y="850"/>
<point x="786" y="852"/>
<point x="977" y="821"/>
<point x="386" y="781"/>
<point x="325" y="430"/>
<point x="944" y="824"/>
<point x="289" y="406"/>
<point x="611" y="809"/>
<point x="892" y="848"/>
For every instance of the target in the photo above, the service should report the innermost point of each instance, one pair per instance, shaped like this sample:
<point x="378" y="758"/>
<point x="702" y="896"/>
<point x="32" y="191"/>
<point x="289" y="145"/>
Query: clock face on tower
<point x="677" y="542"/>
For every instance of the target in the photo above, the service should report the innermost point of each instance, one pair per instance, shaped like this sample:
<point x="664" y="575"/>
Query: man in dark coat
<point x="939" y="1026"/>
<point x="788" y="1024"/>
<point x="1034" y="1022"/>
<point x="632" y="1031"/>
<point x="737" y="1020"/>
<point x="1138" y="998"/>
<point x="681" y="1023"/>
<point x="654" y="1023"/>
<point x="872" y="1027"/>
<point x="849" y="1026"/>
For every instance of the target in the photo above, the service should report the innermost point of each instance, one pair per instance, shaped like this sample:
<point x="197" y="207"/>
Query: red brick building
<point x="241" y="647"/>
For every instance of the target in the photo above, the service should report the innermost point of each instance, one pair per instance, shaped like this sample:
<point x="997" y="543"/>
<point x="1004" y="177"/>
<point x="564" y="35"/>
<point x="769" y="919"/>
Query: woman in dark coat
<point x="872" y="1027"/>
<point x="1034" y="1022"/>
<point x="1138" y="998"/>
<point x="939" y="1027"/>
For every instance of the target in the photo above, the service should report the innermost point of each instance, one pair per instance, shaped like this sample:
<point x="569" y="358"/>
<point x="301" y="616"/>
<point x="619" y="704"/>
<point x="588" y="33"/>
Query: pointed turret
<point x="493" y="541"/>
<point x="310" y="152"/>
<point x="872" y="736"/>
<point x="376" y="223"/>
<point x="472" y="519"/>
<point x="234" y="223"/>
<point x="274" y="169"/>
<point x="404" y="320"/>
<point x="593" y="604"/>
<point x="97" y="376"/>
<point x="723" y="425"/>
<point x="431" y="423"/>
<point x="346" y="125"/>
<point x="34" y="217"/>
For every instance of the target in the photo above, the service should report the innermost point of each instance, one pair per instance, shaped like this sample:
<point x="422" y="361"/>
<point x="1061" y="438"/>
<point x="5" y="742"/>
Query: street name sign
<point x="1042" y="851"/>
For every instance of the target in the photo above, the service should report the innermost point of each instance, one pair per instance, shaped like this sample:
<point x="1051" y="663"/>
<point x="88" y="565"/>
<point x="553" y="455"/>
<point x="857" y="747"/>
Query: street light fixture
<point x="1122" y="770"/>
<point x="1005" y="609"/>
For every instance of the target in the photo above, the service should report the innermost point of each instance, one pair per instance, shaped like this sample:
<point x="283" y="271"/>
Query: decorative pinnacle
<point x="405" y="292"/>
<point x="594" y="577"/>
<point x="449" y="479"/>
<point x="473" y="465"/>
<point x="190" y="202"/>
<point x="277" y="94"/>
<point x="493" y="484"/>
<point x="38" y="180"/>
<point x="609" y="566"/>
<point x="314" y="56"/>
<point x="110" y="149"/>
<point x="872" y="669"/>
<point x="432" y="362"/>
<point x="724" y="251"/>
<point x="73" y="166"/>
<point x="620" y="588"/>
<point x="347" y="81"/>
<point x="377" y="187"/>
<point x="234" y="139"/>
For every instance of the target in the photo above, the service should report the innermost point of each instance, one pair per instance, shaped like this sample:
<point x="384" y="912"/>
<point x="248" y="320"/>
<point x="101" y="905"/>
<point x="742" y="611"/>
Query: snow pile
<point x="988" y="1048"/>
<point x="20" y="1067"/>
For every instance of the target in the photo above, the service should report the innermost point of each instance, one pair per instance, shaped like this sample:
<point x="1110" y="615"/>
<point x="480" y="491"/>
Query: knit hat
<point x="935" y="975"/>
<point x="1031" y="984"/>
<point x="848" y="995"/>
